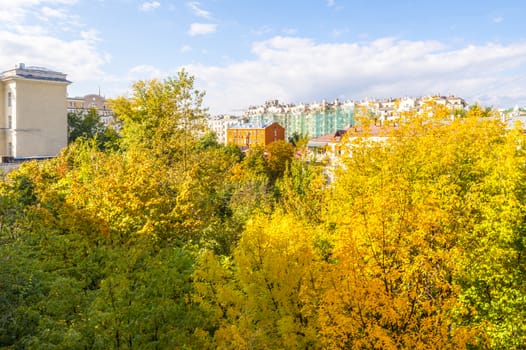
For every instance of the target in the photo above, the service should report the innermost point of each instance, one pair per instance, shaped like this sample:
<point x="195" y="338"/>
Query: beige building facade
<point x="33" y="113"/>
<point x="84" y="104"/>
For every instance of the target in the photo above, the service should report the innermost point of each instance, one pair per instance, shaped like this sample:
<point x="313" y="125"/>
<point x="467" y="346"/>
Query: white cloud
<point x="32" y="30"/>
<point x="90" y="35"/>
<point x="33" y="35"/>
<point x="29" y="3"/>
<point x="16" y="10"/>
<point x="202" y="29"/>
<point x="12" y="11"/>
<point x="144" y="72"/>
<point x="300" y="70"/>
<point x="330" y="3"/>
<point x="185" y="49"/>
<point x="498" y="19"/>
<point x="48" y="12"/>
<point x="11" y="16"/>
<point x="149" y="5"/>
<point x="198" y="11"/>
<point x="78" y="58"/>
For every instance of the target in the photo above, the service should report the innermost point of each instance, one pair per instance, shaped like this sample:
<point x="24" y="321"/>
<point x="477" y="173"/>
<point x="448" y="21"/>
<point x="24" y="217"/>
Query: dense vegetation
<point x="168" y="240"/>
<point x="88" y="125"/>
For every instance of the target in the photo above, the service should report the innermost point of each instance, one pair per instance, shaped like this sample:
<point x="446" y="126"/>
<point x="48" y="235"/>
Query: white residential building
<point x="220" y="123"/>
<point x="33" y="114"/>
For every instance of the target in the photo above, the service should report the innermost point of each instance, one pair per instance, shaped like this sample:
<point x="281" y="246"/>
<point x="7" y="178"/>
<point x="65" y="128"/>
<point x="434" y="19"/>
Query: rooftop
<point x="31" y="72"/>
<point x="356" y="131"/>
<point x="252" y="126"/>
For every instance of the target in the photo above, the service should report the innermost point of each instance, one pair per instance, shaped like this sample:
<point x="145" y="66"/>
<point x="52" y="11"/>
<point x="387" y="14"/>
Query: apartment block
<point x="323" y="118"/>
<point x="314" y="119"/>
<point x="33" y="114"/>
<point x="92" y="101"/>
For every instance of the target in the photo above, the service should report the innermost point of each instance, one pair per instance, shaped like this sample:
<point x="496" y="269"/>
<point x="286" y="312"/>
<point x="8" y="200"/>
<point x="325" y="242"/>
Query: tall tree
<point x="162" y="118"/>
<point x="99" y="228"/>
<point x="265" y="296"/>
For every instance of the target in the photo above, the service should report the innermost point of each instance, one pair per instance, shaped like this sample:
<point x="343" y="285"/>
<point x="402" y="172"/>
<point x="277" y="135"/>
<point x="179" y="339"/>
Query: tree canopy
<point x="171" y="240"/>
<point x="88" y="125"/>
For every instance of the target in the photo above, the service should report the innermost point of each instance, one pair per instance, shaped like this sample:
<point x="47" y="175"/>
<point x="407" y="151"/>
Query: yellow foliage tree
<point x="264" y="298"/>
<point x="399" y="211"/>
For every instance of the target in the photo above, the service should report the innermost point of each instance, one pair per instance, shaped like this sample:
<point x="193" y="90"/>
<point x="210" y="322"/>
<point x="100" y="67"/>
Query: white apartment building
<point x="220" y="123"/>
<point x="33" y="114"/>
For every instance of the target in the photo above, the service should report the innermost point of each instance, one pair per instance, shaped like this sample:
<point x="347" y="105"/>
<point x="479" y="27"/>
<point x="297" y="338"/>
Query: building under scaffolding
<point x="312" y="120"/>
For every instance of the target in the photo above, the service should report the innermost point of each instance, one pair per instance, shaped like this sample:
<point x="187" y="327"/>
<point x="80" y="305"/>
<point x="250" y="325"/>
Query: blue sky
<point x="246" y="52"/>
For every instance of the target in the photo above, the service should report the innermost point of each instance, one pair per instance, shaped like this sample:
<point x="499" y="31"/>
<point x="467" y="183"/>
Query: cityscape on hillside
<point x="321" y="118"/>
<point x="35" y="103"/>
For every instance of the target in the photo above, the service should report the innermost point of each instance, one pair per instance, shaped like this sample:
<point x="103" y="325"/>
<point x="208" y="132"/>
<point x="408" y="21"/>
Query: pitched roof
<point x="252" y="126"/>
<point x="355" y="131"/>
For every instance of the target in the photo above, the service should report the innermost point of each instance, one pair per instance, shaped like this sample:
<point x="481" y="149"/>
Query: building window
<point x="9" y="99"/>
<point x="9" y="122"/>
<point x="10" y="149"/>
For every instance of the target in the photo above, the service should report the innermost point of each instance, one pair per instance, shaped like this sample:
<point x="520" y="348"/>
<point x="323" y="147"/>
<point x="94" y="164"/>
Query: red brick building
<point x="251" y="135"/>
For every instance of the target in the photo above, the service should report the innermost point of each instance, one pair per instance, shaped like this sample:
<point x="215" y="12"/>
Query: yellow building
<point x="251" y="135"/>
<point x="33" y="114"/>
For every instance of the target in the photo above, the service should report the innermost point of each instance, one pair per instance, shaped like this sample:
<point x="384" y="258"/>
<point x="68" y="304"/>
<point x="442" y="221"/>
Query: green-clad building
<point x="312" y="120"/>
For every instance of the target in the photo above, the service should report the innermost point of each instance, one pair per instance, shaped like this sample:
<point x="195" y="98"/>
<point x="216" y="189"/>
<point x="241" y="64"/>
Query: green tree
<point x="298" y="140"/>
<point x="89" y="126"/>
<point x="100" y="261"/>
<point x="100" y="224"/>
<point x="493" y="273"/>
<point x="20" y="279"/>
<point x="252" y="189"/>
<point x="162" y="118"/>
<point x="477" y="110"/>
<point x="208" y="140"/>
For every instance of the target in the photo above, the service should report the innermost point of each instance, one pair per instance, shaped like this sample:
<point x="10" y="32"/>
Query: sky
<point x="245" y="52"/>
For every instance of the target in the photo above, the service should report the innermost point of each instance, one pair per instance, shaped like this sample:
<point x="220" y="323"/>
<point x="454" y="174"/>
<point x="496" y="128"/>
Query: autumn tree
<point x="265" y="295"/>
<point x="172" y="240"/>
<point x="279" y="154"/>
<point x="162" y="118"/>
<point x="413" y="219"/>
<point x="400" y="254"/>
<point x="492" y="271"/>
<point x="109" y="234"/>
